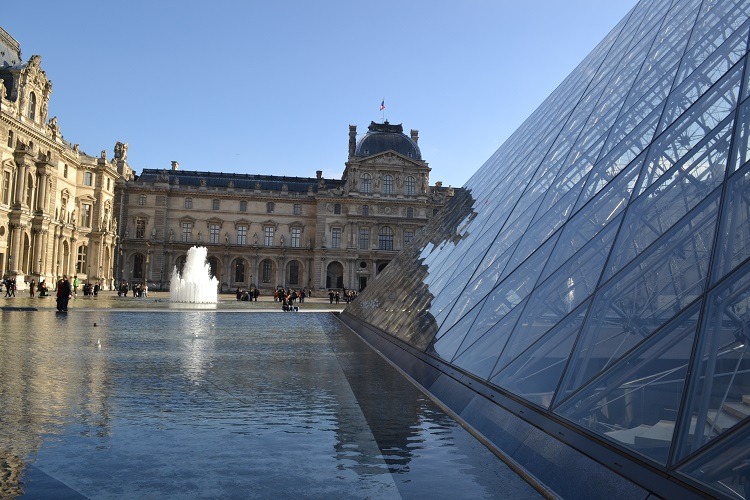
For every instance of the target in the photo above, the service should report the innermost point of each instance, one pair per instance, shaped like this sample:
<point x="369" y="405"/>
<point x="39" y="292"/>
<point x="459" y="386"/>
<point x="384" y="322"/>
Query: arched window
<point x="10" y="138"/>
<point x="409" y="212"/>
<point x="266" y="271"/>
<point x="365" y="210"/>
<point x="385" y="238"/>
<point x="337" y="209"/>
<point x="365" y="185"/>
<point x="188" y="203"/>
<point x="294" y="272"/>
<point x="32" y="106"/>
<point x="213" y="263"/>
<point x="239" y="271"/>
<point x="138" y="262"/>
<point x="410" y="185"/>
<point x="387" y="184"/>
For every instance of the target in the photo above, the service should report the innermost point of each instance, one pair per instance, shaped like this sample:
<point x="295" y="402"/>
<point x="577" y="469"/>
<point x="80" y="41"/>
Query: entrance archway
<point x="335" y="275"/>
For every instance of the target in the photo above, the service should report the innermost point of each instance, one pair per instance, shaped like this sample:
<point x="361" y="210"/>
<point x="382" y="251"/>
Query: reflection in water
<point x="401" y="300"/>
<point x="222" y="405"/>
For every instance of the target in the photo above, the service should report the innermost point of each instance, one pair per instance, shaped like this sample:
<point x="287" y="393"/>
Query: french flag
<point x="382" y="105"/>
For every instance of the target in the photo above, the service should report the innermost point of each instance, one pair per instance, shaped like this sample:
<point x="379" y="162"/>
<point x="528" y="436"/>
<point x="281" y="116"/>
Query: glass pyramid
<point x="597" y="266"/>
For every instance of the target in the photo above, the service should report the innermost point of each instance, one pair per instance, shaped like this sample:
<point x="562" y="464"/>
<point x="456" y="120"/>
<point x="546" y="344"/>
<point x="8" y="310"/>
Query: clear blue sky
<point x="271" y="87"/>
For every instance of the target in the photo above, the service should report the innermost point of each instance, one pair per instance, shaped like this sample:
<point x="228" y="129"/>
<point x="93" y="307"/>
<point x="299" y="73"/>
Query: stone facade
<point x="56" y="202"/>
<point x="267" y="231"/>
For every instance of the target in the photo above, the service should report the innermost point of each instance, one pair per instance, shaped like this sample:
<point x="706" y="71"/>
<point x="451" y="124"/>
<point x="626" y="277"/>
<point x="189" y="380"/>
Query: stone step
<point x="627" y="436"/>
<point x="658" y="436"/>
<point x="721" y="420"/>
<point x="739" y="410"/>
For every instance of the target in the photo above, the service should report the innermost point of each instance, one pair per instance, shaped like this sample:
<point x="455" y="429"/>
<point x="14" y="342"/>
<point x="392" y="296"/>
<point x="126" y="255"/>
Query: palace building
<point x="63" y="211"/>
<point x="268" y="231"/>
<point x="56" y="202"/>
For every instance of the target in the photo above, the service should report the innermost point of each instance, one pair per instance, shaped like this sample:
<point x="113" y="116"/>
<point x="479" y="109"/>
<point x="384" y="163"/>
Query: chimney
<point x="415" y="135"/>
<point x="319" y="174"/>
<point x="175" y="165"/>
<point x="352" y="139"/>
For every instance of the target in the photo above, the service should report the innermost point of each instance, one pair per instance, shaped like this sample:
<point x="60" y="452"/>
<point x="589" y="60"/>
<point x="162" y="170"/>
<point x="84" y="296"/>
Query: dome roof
<point x="381" y="137"/>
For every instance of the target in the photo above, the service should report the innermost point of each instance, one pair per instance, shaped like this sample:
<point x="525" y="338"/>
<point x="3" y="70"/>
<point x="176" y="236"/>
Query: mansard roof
<point x="238" y="181"/>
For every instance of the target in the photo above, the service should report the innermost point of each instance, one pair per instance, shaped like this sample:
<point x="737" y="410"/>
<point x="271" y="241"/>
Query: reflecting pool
<point x="188" y="404"/>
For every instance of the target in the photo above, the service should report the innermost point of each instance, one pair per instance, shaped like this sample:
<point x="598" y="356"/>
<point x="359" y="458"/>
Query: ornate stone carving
<point x="121" y="151"/>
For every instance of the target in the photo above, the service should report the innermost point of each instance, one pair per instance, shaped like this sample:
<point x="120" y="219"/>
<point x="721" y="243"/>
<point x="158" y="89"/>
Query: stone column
<point x="15" y="249"/>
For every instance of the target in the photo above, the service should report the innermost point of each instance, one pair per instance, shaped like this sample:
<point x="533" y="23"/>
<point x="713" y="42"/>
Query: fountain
<point x="196" y="284"/>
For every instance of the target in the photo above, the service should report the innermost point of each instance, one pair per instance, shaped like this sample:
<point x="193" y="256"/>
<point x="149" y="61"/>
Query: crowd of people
<point x="248" y="295"/>
<point x="138" y="289"/>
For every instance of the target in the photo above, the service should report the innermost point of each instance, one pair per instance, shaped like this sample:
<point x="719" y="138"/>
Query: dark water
<point x="213" y="404"/>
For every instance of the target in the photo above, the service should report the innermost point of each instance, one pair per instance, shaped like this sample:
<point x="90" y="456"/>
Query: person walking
<point x="32" y="288"/>
<point x="64" y="293"/>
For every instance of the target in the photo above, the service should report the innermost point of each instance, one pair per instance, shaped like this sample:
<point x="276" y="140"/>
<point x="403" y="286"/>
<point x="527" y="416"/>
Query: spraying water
<point x="196" y="284"/>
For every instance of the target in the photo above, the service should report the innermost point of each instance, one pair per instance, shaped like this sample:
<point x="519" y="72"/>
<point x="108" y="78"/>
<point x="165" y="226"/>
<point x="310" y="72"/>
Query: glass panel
<point x="560" y="294"/>
<point x="676" y="193"/>
<point x="593" y="217"/>
<point x="726" y="466"/>
<point x="706" y="75"/>
<point x="720" y="382"/>
<point x="741" y="143"/>
<point x="734" y="236"/>
<point x="535" y="374"/>
<point x="645" y="295"/>
<point x="447" y="345"/>
<point x="635" y="403"/>
<point x="479" y="356"/>
<point x="691" y="128"/>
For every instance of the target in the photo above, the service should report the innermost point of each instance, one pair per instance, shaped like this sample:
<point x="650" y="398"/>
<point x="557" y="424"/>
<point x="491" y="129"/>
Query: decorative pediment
<point x="214" y="220"/>
<point x="141" y="216"/>
<point x="241" y="222"/>
<point x="390" y="159"/>
<point x="270" y="223"/>
<point x="187" y="218"/>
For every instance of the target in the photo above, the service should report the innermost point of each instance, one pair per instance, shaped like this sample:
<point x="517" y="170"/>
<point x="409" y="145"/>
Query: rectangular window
<point x="213" y="233"/>
<point x="6" y="187"/>
<point x="242" y="235"/>
<point x="297" y="210"/>
<point x="140" y="228"/>
<point x="296" y="236"/>
<point x="215" y="204"/>
<point x="81" y="262"/>
<point x="88" y="179"/>
<point x="336" y="237"/>
<point x="188" y="203"/>
<point x="108" y="183"/>
<point x="364" y="238"/>
<point x="268" y="236"/>
<point x="410" y="186"/>
<point x="142" y="200"/>
<point x="85" y="215"/>
<point x="243" y="206"/>
<point x="187" y="232"/>
<point x="408" y="236"/>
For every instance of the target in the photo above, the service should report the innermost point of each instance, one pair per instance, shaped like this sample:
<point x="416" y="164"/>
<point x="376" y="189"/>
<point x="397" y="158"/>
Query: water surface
<point x="207" y="404"/>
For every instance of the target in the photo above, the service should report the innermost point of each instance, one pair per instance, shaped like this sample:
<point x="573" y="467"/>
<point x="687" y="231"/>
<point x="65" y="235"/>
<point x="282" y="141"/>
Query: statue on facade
<point x="282" y="240"/>
<point x="171" y="235"/>
<point x="121" y="151"/>
<point x="103" y="154"/>
<point x="255" y="238"/>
